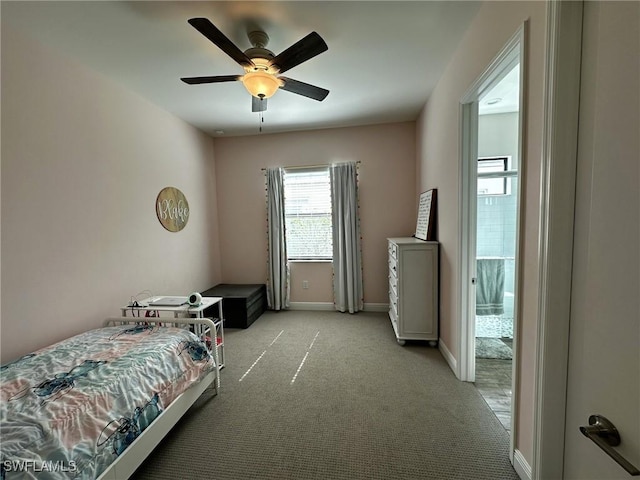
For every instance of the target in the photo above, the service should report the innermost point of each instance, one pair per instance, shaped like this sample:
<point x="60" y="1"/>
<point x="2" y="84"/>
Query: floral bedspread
<point x="69" y="410"/>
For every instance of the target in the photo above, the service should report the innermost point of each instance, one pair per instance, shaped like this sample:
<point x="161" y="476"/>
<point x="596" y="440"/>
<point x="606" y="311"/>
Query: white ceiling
<point x="383" y="61"/>
<point x="504" y="97"/>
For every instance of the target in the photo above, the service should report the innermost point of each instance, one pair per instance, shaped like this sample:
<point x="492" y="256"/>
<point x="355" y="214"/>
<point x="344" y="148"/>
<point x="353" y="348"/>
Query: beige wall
<point x="387" y="200"/>
<point x="82" y="163"/>
<point x="438" y="153"/>
<point x="83" y="160"/>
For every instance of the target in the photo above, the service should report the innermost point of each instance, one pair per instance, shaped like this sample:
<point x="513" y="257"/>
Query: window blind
<point x="307" y="206"/>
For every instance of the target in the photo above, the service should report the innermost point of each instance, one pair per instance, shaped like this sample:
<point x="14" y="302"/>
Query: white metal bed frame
<point x="130" y="459"/>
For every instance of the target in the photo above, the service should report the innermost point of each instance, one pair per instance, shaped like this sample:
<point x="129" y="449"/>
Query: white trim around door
<point x="558" y="172"/>
<point x="513" y="53"/>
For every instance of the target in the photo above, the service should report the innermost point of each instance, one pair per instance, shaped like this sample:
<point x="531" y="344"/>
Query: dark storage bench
<point x="241" y="304"/>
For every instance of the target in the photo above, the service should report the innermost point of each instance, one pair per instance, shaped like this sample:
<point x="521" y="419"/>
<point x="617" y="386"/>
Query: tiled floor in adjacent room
<point x="493" y="381"/>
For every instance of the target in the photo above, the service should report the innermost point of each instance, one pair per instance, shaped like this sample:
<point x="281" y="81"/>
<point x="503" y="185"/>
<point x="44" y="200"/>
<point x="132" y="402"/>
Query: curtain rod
<point x="301" y="167"/>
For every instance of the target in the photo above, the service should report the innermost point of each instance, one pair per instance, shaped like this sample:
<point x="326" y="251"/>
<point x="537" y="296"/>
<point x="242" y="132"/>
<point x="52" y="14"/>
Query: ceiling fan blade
<point x="214" y="79"/>
<point x="299" y="52"/>
<point x="209" y="30"/>
<point x="258" y="104"/>
<point x="304" y="89"/>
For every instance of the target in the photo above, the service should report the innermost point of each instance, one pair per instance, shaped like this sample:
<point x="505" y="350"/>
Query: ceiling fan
<point x="261" y="66"/>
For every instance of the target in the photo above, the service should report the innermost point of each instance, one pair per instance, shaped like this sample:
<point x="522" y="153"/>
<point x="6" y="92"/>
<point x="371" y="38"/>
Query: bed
<point x="95" y="405"/>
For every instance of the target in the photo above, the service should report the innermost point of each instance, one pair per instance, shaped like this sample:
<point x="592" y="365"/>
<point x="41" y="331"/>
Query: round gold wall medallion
<point x="172" y="209"/>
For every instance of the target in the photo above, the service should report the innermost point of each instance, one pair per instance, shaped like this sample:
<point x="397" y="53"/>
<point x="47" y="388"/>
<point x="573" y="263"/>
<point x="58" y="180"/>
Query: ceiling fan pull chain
<point x="261" y="112"/>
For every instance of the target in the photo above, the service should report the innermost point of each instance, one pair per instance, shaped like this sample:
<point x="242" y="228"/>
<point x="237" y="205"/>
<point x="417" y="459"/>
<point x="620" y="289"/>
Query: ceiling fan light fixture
<point x="260" y="65"/>
<point x="261" y="84"/>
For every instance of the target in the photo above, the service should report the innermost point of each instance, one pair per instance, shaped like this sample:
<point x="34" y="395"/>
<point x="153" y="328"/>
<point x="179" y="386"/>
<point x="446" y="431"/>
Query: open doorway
<point x="492" y="113"/>
<point x="496" y="231"/>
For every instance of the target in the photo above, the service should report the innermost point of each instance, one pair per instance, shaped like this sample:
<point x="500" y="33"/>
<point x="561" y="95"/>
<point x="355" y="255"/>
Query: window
<point x="307" y="211"/>
<point x="491" y="178"/>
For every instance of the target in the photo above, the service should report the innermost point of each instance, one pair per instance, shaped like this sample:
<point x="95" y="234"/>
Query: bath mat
<point x="492" y="348"/>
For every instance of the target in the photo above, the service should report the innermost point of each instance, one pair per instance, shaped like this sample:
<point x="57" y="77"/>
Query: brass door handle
<point x="606" y="436"/>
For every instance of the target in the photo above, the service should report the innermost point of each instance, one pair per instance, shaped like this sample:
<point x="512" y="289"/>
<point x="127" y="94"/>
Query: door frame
<point x="502" y="63"/>
<point x="513" y="52"/>
<point x="557" y="210"/>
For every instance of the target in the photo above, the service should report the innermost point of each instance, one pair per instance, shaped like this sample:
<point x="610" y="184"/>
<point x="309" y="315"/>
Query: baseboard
<point x="315" y="306"/>
<point x="453" y="364"/>
<point x="311" y="306"/>
<point x="523" y="469"/>
<point x="376" y="307"/>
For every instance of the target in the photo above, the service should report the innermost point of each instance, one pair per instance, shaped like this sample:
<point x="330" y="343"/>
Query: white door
<point x="604" y="347"/>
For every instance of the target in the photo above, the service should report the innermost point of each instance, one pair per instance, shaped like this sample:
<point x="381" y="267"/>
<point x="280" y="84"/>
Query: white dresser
<point x="413" y="289"/>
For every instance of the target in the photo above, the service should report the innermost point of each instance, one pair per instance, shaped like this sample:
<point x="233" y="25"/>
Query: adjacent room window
<point x="307" y="207"/>
<point x="491" y="178"/>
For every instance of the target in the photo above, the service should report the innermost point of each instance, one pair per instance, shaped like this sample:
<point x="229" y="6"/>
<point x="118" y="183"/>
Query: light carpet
<point x="324" y="395"/>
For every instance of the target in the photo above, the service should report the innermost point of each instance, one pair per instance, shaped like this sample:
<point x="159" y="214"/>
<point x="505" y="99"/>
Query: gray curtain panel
<point x="347" y="256"/>
<point x="277" y="264"/>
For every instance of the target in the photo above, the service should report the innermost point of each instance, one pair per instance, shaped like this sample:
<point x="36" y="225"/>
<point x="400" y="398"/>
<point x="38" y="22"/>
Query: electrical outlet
<point x="305" y="284"/>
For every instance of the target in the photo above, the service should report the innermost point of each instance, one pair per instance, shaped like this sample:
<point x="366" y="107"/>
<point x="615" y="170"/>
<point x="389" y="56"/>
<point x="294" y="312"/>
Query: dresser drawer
<point x="393" y="306"/>
<point x="394" y="318"/>
<point x="393" y="266"/>
<point x="393" y="250"/>
<point x="393" y="283"/>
